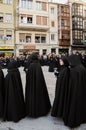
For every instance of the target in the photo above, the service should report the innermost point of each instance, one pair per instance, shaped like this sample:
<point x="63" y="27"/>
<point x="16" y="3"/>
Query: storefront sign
<point x="29" y="47"/>
<point x="6" y="47"/>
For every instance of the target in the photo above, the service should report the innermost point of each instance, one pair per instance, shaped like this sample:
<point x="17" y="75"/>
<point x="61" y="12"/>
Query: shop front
<point x="28" y="49"/>
<point x="6" y="51"/>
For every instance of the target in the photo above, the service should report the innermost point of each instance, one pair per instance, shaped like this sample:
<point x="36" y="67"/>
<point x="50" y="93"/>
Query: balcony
<point x="31" y="22"/>
<point x="78" y="42"/>
<point x="32" y="26"/>
<point x="64" y="43"/>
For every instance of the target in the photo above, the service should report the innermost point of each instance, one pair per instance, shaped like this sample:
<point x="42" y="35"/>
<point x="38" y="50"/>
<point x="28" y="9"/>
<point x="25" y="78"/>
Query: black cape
<point x="61" y="91"/>
<point x="52" y="64"/>
<point x="58" y="109"/>
<point x="1" y="92"/>
<point x="76" y="102"/>
<point x="36" y="94"/>
<point x="14" y="108"/>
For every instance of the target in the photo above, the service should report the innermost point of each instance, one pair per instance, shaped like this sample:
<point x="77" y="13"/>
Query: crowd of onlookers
<point x="51" y="60"/>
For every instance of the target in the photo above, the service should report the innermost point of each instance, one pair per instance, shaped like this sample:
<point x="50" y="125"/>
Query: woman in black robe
<point x="62" y="82"/>
<point x="36" y="94"/>
<point x="1" y="92"/>
<point x="76" y="101"/>
<point x="14" y="108"/>
<point x="53" y="63"/>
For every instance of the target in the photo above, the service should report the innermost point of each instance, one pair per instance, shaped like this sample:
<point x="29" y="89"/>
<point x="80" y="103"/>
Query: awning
<point x="7" y="48"/>
<point x="6" y="51"/>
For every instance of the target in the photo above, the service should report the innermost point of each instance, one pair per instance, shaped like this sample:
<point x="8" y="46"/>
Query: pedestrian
<point x="62" y="82"/>
<point x="1" y="92"/>
<point x="14" y="108"/>
<point x="76" y="98"/>
<point x="36" y="94"/>
<point x="52" y="63"/>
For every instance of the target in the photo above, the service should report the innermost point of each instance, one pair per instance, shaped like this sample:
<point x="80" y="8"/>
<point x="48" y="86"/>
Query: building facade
<point x="6" y="26"/>
<point x="53" y="28"/>
<point x="39" y="27"/>
<point x="42" y="26"/>
<point x="78" y="17"/>
<point x="31" y="31"/>
<point x="64" y="27"/>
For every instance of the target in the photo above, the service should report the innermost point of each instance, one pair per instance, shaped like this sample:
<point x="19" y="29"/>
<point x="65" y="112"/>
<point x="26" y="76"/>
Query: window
<point x="84" y="37"/>
<point x="52" y="23"/>
<point x="8" y="18"/>
<point x="29" y="4"/>
<point x="23" y="19"/>
<point x="43" y="6"/>
<point x="8" y="1"/>
<point x="78" y="34"/>
<point x="84" y="13"/>
<point x="38" y="20"/>
<point x="65" y="9"/>
<point x="41" y="20"/>
<point x="29" y="19"/>
<point x="52" y="37"/>
<point x="52" y="10"/>
<point x="44" y="20"/>
<point x="9" y="35"/>
<point x="38" y="5"/>
<point x="65" y="36"/>
<point x="62" y="9"/>
<point x="53" y="50"/>
<point x="37" y="39"/>
<point x="40" y="38"/>
<point x="26" y="19"/>
<point x="62" y="22"/>
<point x="1" y="17"/>
<point x="28" y="39"/>
<point x="77" y="23"/>
<point x="85" y="25"/>
<point x="22" y="38"/>
<point x="23" y="3"/>
<point x="43" y="39"/>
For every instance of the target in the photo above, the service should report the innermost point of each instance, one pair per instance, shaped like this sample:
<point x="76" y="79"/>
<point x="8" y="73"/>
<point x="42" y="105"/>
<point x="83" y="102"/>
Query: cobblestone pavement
<point x="43" y="123"/>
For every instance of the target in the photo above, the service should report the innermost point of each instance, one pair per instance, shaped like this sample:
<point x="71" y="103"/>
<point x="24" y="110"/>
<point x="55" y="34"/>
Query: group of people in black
<point x="13" y="107"/>
<point x="70" y="93"/>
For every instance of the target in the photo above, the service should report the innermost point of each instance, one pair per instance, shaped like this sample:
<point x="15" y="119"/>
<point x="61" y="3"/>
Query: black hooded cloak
<point x="1" y="92"/>
<point x="76" y="102"/>
<point x="14" y="108"/>
<point x="62" y="82"/>
<point x="36" y="94"/>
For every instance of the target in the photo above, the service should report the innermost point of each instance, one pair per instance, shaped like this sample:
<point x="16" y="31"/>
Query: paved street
<point x="43" y="123"/>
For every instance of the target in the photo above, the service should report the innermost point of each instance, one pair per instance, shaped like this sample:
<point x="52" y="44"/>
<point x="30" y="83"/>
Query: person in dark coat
<point x="27" y="63"/>
<point x="1" y="92"/>
<point x="62" y="82"/>
<point x="36" y="94"/>
<point x="14" y="108"/>
<point x="52" y="63"/>
<point x="76" y="99"/>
